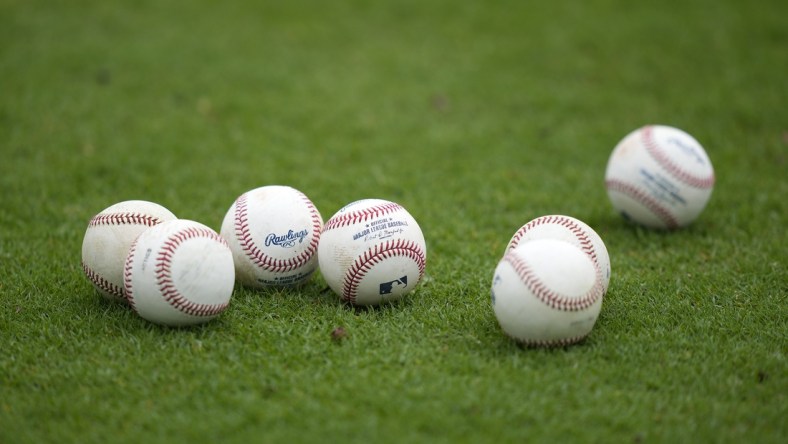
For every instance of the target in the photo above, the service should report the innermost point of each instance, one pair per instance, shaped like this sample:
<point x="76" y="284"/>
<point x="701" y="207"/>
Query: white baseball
<point x="372" y="251"/>
<point x="571" y="230"/>
<point x="273" y="232"/>
<point x="108" y="238"/>
<point x="179" y="273"/>
<point x="660" y="177"/>
<point x="546" y="292"/>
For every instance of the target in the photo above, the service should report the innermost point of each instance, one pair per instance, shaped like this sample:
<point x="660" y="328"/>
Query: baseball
<point x="660" y="177"/>
<point x="179" y="273"/>
<point x="547" y="293"/>
<point x="108" y="238"/>
<point x="372" y="251"/>
<point x="273" y="232"/>
<point x="571" y="230"/>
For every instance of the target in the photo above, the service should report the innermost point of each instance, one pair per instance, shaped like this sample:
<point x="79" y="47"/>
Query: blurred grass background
<point x="476" y="117"/>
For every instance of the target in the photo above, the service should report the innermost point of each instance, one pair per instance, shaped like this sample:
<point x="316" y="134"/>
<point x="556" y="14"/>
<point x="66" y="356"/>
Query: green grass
<point x="475" y="117"/>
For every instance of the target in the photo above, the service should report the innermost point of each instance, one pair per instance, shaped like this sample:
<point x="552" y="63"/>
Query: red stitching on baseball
<point x="102" y="283"/>
<point x="585" y="242"/>
<point x="364" y="263"/>
<point x="342" y="220"/>
<point x="127" y="282"/>
<point x="549" y="342"/>
<point x="164" y="277"/>
<point x="662" y="158"/>
<point x="257" y="256"/>
<point x="647" y="201"/>
<point x="553" y="299"/>
<point x="124" y="219"/>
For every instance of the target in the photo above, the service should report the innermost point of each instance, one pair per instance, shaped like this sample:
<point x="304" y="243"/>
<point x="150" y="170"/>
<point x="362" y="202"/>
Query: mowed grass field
<point x="475" y="116"/>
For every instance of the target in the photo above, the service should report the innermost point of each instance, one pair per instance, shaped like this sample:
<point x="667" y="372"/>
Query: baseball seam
<point x="257" y="256"/>
<point x="365" y="262"/>
<point x="563" y="342"/>
<point x="552" y="298"/>
<point x="645" y="199"/>
<point x="585" y="242"/>
<point x="343" y="220"/>
<point x="102" y="283"/>
<point x="662" y="158"/>
<point x="127" y="271"/>
<point x="125" y="218"/>
<point x="164" y="279"/>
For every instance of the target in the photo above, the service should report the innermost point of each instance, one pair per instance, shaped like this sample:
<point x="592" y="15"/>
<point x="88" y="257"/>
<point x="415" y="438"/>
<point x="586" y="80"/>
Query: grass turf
<point x="477" y="118"/>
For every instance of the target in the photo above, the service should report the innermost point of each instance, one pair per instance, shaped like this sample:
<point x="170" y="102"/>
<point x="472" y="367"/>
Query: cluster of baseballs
<point x="547" y="290"/>
<point x="180" y="272"/>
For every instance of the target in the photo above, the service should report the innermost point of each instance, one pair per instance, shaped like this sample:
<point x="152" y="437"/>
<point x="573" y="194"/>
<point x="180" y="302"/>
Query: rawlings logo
<point x="286" y="240"/>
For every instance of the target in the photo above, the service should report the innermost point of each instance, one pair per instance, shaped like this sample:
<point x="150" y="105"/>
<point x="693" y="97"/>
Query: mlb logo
<point x="389" y="287"/>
